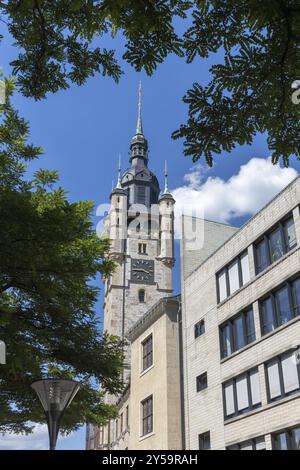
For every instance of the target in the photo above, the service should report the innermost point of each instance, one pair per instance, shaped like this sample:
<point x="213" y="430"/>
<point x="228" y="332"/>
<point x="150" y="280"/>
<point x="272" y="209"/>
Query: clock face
<point x="142" y="270"/>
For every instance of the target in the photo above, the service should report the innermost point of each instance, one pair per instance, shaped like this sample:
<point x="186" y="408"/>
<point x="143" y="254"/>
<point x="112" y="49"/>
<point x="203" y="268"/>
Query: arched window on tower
<point x="141" y="295"/>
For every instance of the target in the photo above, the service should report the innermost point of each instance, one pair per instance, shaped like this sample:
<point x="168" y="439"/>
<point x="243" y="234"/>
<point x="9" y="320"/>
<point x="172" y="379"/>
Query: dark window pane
<point x="290" y="234"/>
<point x="226" y="341"/>
<point x="254" y="444"/>
<point x="199" y="328"/>
<point x="283" y="305"/>
<point x="233" y="447"/>
<point x="147" y="410"/>
<point x="281" y="441"/>
<point x="250" y="328"/>
<point x="262" y="256"/>
<point x="295" y="434"/>
<point x="204" y="441"/>
<point x="248" y="445"/>
<point x="239" y="339"/>
<point x="141" y="296"/>
<point x="296" y="297"/>
<point x="267" y="316"/>
<point x="147" y="353"/>
<point x="276" y="245"/>
<point x="201" y="382"/>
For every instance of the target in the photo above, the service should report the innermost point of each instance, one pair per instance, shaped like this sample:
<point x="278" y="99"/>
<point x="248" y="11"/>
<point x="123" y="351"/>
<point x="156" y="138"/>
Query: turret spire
<point x="139" y="126"/>
<point x="166" y="190"/>
<point x="119" y="186"/>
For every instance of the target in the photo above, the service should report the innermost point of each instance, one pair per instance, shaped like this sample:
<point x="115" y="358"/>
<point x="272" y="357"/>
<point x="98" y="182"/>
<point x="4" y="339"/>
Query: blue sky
<point x="84" y="129"/>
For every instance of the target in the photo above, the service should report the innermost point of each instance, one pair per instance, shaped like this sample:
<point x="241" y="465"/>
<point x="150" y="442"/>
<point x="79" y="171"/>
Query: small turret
<point x="166" y="210"/>
<point x="117" y="217"/>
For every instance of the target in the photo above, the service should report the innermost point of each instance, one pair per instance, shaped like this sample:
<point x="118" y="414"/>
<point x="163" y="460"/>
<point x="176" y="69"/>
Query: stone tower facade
<point x="140" y="226"/>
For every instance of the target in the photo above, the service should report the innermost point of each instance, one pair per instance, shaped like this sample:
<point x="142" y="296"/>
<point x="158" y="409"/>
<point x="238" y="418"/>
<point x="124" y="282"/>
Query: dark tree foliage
<point x="59" y="42"/>
<point x="58" y="39"/>
<point x="251" y="91"/>
<point x="49" y="253"/>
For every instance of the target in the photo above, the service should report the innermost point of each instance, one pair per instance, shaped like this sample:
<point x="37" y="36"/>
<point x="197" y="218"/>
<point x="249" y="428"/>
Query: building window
<point x="262" y="256"/>
<point x="204" y="441"/>
<point x="237" y="333"/>
<point x="147" y="416"/>
<point x="122" y="424"/>
<point x="127" y="417"/>
<point x="241" y="394"/>
<point x="252" y="444"/>
<point x="275" y="244"/>
<point x="296" y="297"/>
<point x="280" y="306"/>
<point x="199" y="328"/>
<point x="141" y="295"/>
<point x="201" y="382"/>
<point x="147" y="348"/>
<point x="233" y="276"/>
<point x="287" y="439"/>
<point x="142" y="247"/>
<point x="283" y="376"/>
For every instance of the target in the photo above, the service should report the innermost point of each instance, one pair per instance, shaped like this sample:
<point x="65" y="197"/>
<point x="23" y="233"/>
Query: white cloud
<point x="242" y="194"/>
<point x="38" y="440"/>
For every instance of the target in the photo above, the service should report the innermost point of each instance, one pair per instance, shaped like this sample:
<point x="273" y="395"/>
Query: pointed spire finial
<point x="139" y="126"/>
<point x="166" y="190"/>
<point x="119" y="186"/>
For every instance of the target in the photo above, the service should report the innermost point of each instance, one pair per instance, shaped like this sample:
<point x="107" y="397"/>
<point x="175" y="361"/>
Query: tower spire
<point x="166" y="190"/>
<point x="139" y="126"/>
<point x="119" y="186"/>
<point x="139" y="144"/>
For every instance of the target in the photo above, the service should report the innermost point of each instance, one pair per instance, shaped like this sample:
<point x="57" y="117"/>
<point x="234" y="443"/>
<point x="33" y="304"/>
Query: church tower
<point x="140" y="225"/>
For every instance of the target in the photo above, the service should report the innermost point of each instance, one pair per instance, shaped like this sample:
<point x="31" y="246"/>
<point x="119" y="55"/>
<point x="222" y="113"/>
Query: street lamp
<point x="55" y="396"/>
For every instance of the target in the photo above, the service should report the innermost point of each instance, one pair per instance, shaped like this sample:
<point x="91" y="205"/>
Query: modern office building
<point x="241" y="331"/>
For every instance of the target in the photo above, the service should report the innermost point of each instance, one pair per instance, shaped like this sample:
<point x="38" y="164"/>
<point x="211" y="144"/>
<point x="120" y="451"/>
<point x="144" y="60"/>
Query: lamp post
<point x="55" y="396"/>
